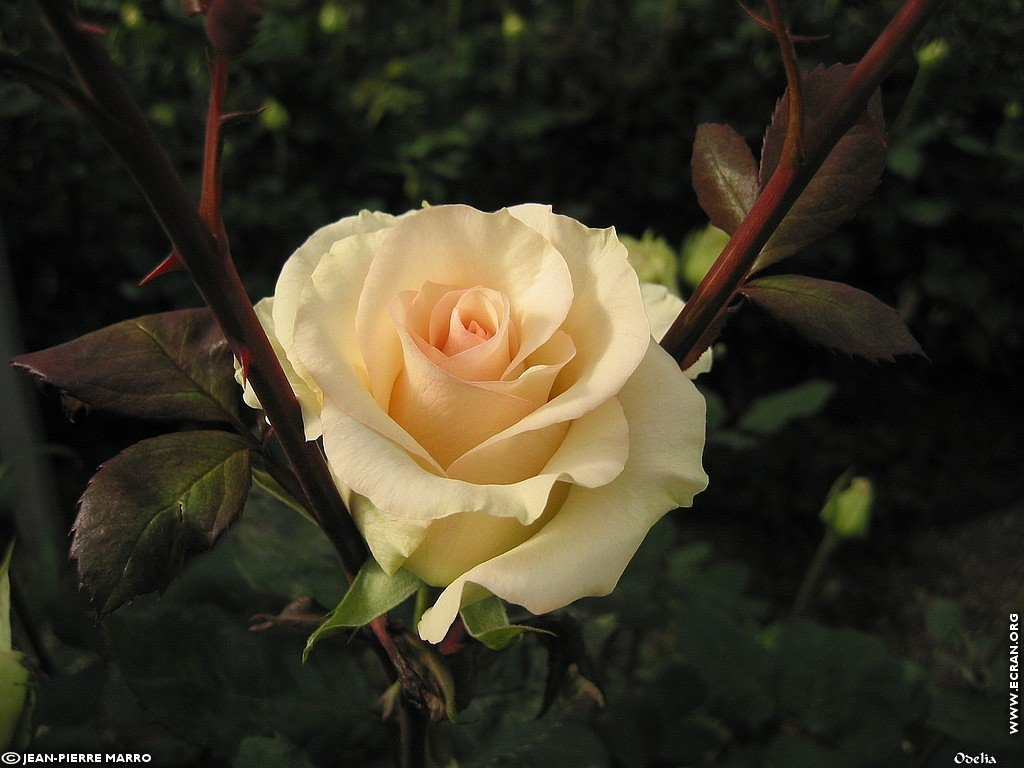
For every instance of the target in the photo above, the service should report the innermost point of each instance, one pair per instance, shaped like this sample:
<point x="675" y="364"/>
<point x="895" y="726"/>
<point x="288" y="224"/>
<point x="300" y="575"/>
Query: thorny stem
<point x="719" y="286"/>
<point x="209" y="199"/>
<point x="792" y="147"/>
<point x="52" y="86"/>
<point x="209" y="264"/>
<point x="213" y="273"/>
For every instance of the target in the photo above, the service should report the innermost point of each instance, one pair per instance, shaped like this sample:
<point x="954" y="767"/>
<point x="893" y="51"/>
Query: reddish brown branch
<point x="719" y="286"/>
<point x="215" y="276"/>
<point x="213" y="145"/>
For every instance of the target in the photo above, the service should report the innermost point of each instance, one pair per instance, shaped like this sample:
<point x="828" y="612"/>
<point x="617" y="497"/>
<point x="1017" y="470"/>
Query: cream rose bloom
<point x="492" y="404"/>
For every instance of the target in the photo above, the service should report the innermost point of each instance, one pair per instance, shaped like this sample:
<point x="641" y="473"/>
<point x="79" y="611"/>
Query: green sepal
<point x="371" y="594"/>
<point x="487" y="622"/>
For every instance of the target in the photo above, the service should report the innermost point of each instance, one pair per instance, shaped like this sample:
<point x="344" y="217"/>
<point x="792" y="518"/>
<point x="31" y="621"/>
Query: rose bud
<point x="231" y="24"/>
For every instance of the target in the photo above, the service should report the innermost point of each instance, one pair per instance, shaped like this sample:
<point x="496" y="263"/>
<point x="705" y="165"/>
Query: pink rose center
<point x="472" y="321"/>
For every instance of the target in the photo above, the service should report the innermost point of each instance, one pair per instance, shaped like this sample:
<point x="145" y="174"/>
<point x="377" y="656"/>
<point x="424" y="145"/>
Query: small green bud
<point x="162" y="113"/>
<point x="847" y="510"/>
<point x="131" y="16"/>
<point x="700" y="249"/>
<point x="333" y="18"/>
<point x="654" y="260"/>
<point x="274" y="115"/>
<point x="933" y="54"/>
<point x="513" y="26"/>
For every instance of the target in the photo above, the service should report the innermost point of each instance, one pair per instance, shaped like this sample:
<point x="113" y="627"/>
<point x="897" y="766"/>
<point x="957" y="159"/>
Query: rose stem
<point x="213" y="273"/>
<point x="719" y="286"/>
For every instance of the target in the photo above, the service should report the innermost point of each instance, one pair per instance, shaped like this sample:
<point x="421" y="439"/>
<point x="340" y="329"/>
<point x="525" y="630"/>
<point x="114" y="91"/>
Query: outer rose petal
<point x="294" y="276"/>
<point x="591" y="453"/>
<point x="662" y="310"/>
<point x="607" y="319"/>
<point x="585" y="547"/>
<point x="310" y="400"/>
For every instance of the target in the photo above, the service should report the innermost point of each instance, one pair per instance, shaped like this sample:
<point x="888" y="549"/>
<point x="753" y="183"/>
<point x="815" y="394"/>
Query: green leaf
<point x="842" y="184"/>
<point x="14" y="685"/>
<point x="371" y="594"/>
<point x="724" y="175"/>
<point x="169" y="366"/>
<point x="487" y="621"/>
<point x="771" y="413"/>
<point x="5" y="599"/>
<point x="151" y="506"/>
<point x="834" y="315"/>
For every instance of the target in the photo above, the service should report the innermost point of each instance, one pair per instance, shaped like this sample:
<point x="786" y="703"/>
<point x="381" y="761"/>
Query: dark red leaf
<point x="153" y="505"/>
<point x="845" y="180"/>
<point x="172" y="366"/>
<point x="724" y="175"/>
<point x="834" y="315"/>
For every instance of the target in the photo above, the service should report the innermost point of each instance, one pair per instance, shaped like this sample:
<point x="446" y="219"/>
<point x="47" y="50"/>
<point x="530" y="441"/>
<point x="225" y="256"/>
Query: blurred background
<point x="896" y="652"/>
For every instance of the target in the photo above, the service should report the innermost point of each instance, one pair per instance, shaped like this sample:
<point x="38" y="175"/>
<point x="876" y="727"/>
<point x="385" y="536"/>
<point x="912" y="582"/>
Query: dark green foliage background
<point x="590" y="106"/>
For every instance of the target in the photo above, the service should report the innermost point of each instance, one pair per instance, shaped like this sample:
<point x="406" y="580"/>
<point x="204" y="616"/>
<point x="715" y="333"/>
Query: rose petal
<point x="372" y="465"/>
<point x="460" y="246"/>
<point x="324" y="341"/>
<point x="457" y="543"/>
<point x="607" y="313"/>
<point x="592" y="452"/>
<point x="662" y="310"/>
<point x="583" y="550"/>
<point x="294" y="277"/>
<point x="445" y="414"/>
<point x="423" y="314"/>
<point x="391" y="539"/>
<point x="308" y="394"/>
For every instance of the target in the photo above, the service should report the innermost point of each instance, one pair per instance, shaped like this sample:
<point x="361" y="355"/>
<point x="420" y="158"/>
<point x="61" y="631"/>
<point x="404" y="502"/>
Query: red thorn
<point x="88" y="27"/>
<point x="171" y="264"/>
<point x="760" y="21"/>
<point x="245" y="360"/>
<point x="230" y="119"/>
